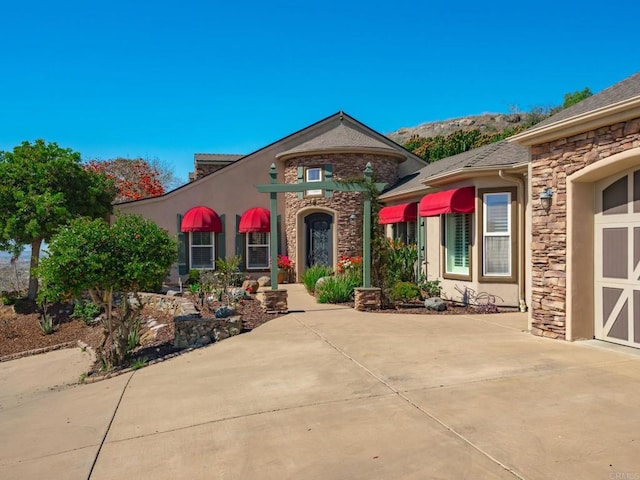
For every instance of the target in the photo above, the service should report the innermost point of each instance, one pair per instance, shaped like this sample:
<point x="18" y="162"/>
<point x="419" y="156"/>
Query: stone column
<point x="367" y="298"/>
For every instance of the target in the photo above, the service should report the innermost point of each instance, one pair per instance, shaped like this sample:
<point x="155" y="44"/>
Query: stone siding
<point x="345" y="166"/>
<point x="367" y="299"/>
<point x="552" y="163"/>
<point x="203" y="169"/>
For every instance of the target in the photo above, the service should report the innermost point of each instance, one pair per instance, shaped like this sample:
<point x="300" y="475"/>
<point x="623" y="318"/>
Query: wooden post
<point x="273" y="234"/>
<point x="366" y="233"/>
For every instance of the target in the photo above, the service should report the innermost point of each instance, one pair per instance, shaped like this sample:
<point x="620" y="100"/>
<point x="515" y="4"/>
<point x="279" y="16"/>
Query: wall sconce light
<point x="352" y="218"/>
<point x="545" y="199"/>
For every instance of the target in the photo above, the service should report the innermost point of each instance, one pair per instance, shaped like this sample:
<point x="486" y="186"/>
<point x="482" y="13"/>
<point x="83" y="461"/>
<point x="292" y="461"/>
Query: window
<point x="405" y="231"/>
<point x="202" y="251"/>
<point x="457" y="232"/>
<point x="257" y="250"/>
<point x="313" y="174"/>
<point x="498" y="245"/>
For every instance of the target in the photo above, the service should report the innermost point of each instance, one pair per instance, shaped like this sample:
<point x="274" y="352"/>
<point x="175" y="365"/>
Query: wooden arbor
<point x="273" y="188"/>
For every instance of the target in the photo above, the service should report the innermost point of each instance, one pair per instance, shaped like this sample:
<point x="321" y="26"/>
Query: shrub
<point x="86" y="311"/>
<point x="338" y="289"/>
<point x="46" y="321"/>
<point x="401" y="262"/>
<point x="8" y="298"/>
<point x="405" y="291"/>
<point x="430" y="288"/>
<point x="312" y="274"/>
<point x="194" y="277"/>
<point x="111" y="262"/>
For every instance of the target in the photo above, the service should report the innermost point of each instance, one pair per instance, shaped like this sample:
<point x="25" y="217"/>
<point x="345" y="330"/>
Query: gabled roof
<point x="216" y="157"/>
<point x="492" y="156"/>
<point x="341" y="138"/>
<point x="355" y="131"/>
<point x="618" y="103"/>
<point x="624" y="90"/>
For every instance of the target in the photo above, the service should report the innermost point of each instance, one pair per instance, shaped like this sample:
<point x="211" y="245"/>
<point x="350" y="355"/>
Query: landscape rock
<point x="320" y="281"/>
<point x="225" y="312"/>
<point x="264" y="281"/>
<point x="435" y="303"/>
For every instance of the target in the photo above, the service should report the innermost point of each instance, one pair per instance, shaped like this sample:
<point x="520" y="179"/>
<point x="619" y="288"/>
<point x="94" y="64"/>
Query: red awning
<point x="407" y="212"/>
<point x="201" y="219"/>
<point x="255" y="220"/>
<point x="457" y="200"/>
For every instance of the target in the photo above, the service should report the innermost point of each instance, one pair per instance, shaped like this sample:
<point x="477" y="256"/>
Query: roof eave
<point x="609" y="115"/>
<point x="400" y="156"/>
<point x="453" y="176"/>
<point x="466" y="172"/>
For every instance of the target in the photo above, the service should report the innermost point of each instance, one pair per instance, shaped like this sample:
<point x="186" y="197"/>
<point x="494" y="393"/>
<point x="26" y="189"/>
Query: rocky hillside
<point x="486" y="123"/>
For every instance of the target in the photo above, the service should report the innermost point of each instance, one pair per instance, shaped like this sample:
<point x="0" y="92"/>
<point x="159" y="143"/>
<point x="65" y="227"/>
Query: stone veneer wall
<point x="202" y="169"/>
<point x="345" y="166"/>
<point x="552" y="163"/>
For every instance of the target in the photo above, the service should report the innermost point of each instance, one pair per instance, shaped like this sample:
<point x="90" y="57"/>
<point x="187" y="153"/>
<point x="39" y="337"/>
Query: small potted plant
<point x="285" y="268"/>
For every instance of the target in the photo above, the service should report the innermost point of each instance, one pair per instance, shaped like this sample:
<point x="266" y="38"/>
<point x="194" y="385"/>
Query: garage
<point x="617" y="259"/>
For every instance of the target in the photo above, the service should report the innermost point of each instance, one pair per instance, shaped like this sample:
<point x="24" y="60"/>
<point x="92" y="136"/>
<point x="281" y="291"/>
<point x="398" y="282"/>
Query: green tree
<point x="113" y="264"/>
<point x="575" y="97"/>
<point x="43" y="187"/>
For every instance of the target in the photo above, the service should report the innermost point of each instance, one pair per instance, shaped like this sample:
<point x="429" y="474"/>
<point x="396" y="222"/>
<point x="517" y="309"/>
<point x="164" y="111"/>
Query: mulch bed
<point x="20" y="333"/>
<point x="453" y="308"/>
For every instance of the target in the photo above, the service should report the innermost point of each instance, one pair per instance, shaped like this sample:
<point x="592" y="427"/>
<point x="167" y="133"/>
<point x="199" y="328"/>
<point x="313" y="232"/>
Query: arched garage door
<point x="617" y="259"/>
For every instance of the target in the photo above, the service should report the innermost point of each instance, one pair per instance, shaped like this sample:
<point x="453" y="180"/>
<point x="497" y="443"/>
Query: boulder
<point x="238" y="293"/>
<point x="435" y="303"/>
<point x="320" y="281"/>
<point x="225" y="312"/>
<point x="264" y="281"/>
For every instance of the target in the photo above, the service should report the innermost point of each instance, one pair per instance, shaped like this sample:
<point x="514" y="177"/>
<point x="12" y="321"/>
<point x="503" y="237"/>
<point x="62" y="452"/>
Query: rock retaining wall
<point x="191" y="330"/>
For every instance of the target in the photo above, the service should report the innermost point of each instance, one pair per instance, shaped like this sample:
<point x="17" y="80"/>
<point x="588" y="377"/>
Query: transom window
<point x="313" y="174"/>
<point x="202" y="250"/>
<point x="257" y="250"/>
<point x="457" y="240"/>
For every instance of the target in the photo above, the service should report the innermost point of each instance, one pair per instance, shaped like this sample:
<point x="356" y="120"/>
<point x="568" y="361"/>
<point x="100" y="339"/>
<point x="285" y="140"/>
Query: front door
<point x="319" y="239"/>
<point x="617" y="259"/>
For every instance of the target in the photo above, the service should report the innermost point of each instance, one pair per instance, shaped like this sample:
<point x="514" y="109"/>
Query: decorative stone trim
<point x="275" y="301"/>
<point x="551" y="164"/>
<point x="38" y="351"/>
<point x="367" y="298"/>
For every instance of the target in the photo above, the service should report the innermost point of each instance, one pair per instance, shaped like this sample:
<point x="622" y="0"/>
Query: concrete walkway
<point x="329" y="393"/>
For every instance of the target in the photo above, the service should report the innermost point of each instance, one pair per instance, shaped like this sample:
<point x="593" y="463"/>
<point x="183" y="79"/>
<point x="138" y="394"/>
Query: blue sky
<point x="168" y="79"/>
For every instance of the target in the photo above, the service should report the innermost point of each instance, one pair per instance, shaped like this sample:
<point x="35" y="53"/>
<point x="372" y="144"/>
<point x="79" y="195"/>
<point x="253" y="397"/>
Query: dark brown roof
<point x="340" y="137"/>
<point x="216" y="157"/>
<point x="501" y="154"/>
<point x="624" y="90"/>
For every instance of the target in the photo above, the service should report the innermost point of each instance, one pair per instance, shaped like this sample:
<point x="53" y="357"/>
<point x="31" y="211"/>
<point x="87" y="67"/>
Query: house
<point x="585" y="250"/>
<point x="471" y="212"/>
<point x="547" y="222"/>
<point x="221" y="213"/>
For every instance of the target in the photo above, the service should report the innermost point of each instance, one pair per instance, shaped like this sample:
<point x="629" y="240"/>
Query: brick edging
<point x="38" y="351"/>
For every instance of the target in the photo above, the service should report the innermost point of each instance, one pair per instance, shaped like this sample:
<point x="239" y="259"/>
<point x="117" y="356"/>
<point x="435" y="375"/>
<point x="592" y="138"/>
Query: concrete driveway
<point x="329" y="393"/>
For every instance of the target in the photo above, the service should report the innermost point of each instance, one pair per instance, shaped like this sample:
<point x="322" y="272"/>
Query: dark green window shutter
<point x="300" y="180"/>
<point x="279" y="220"/>
<point x="239" y="243"/>
<point x="220" y="237"/>
<point x="182" y="249"/>
<point x="328" y="176"/>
